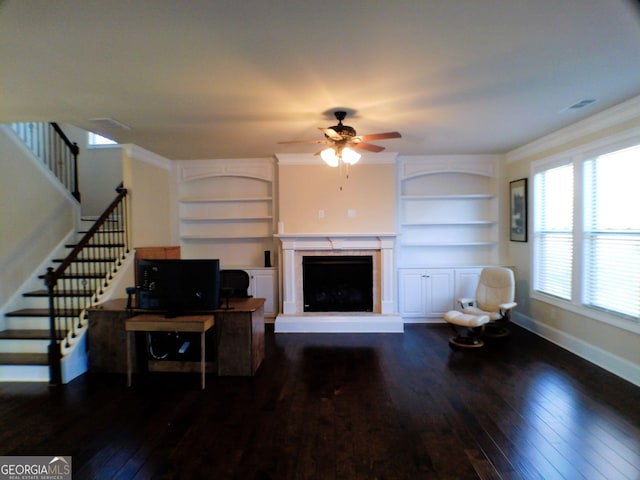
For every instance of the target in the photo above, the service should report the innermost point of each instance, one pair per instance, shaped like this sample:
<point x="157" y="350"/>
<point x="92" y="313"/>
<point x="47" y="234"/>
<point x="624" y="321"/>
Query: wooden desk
<point x="239" y="337"/>
<point x="106" y="337"/>
<point x="150" y="322"/>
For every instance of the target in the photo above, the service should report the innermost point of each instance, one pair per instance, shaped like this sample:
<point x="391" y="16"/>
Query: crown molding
<point x="139" y="153"/>
<point x="418" y="165"/>
<point x="625" y="111"/>
<point x="259" y="168"/>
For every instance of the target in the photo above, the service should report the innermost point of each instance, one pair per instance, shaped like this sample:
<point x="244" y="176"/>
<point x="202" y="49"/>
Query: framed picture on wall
<point x="518" y="210"/>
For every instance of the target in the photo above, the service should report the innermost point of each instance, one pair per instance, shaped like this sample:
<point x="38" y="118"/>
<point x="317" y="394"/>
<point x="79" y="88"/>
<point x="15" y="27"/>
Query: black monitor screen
<point x="179" y="286"/>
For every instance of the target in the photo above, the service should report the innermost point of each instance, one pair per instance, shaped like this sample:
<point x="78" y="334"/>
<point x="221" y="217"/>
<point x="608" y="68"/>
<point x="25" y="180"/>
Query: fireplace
<point x="337" y="283"/>
<point x="381" y="317"/>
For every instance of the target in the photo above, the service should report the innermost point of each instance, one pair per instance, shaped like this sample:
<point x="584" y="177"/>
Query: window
<point x="586" y="231"/>
<point x="612" y="232"/>
<point x="553" y="231"/>
<point x="96" y="140"/>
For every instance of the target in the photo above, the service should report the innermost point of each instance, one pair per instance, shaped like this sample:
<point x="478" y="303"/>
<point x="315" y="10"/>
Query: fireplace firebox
<point x="337" y="283"/>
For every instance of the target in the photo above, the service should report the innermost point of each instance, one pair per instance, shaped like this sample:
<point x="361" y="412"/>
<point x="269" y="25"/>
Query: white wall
<point x="36" y="214"/>
<point x="146" y="177"/>
<point x="315" y="198"/>
<point x="99" y="172"/>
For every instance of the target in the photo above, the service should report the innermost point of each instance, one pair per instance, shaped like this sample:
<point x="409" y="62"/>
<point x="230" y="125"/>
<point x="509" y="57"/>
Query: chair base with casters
<point x="497" y="329"/>
<point x="475" y="325"/>
<point x="498" y="320"/>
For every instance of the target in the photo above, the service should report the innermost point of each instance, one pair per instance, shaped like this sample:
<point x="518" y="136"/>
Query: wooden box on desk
<point x="155" y="253"/>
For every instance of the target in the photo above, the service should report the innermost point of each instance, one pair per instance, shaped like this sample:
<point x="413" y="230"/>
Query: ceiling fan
<point x="340" y="137"/>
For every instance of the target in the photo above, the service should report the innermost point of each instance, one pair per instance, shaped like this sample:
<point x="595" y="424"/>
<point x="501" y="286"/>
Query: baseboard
<point x="621" y="367"/>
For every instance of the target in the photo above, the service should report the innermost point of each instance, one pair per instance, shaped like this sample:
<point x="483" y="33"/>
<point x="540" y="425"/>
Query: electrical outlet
<point x="320" y="213"/>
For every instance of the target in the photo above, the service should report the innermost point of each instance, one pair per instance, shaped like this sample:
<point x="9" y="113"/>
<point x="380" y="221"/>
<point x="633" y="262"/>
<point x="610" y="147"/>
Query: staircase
<point x="24" y="342"/>
<point x="81" y="274"/>
<point x="43" y="335"/>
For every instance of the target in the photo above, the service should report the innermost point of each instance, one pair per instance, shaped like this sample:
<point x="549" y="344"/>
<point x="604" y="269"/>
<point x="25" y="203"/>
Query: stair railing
<point x="50" y="144"/>
<point x="82" y="276"/>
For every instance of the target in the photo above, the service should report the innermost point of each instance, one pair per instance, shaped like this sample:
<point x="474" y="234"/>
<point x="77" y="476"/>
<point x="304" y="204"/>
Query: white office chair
<point x="487" y="313"/>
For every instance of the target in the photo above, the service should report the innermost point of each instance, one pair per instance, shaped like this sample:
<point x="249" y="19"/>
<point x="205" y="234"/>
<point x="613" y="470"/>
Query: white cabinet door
<point x="411" y="293"/>
<point x="262" y="284"/>
<point x="425" y="293"/>
<point x="439" y="291"/>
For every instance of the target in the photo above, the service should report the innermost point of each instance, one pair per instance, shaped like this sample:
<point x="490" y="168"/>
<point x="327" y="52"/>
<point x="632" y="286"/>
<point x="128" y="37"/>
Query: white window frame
<point x="540" y="168"/>
<point x="578" y="156"/>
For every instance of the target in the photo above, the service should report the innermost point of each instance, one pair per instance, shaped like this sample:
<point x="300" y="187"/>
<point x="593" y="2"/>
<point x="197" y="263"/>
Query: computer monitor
<point x="179" y="286"/>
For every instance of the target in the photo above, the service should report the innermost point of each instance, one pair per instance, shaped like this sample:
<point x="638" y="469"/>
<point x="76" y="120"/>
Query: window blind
<point x="553" y="231"/>
<point x="612" y="232"/>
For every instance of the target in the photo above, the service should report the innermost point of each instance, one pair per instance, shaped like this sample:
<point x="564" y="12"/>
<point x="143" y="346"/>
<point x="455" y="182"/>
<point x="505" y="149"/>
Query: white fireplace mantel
<point x="293" y="319"/>
<point x="337" y="241"/>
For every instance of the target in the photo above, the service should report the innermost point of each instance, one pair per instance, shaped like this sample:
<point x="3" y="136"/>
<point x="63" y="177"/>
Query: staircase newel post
<point x="75" y="150"/>
<point x="55" y="355"/>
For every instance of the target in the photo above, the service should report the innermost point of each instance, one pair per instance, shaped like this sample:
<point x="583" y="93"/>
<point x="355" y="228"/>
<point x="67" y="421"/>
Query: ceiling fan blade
<point x="368" y="146"/>
<point x="331" y="133"/>
<point x="380" y="136"/>
<point x="304" y="141"/>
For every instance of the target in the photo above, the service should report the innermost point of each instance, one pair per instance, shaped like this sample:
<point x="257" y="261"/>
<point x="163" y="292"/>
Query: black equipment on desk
<point x="179" y="286"/>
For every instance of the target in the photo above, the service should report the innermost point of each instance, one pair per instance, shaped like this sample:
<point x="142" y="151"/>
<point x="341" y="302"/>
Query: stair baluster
<point x="49" y="143"/>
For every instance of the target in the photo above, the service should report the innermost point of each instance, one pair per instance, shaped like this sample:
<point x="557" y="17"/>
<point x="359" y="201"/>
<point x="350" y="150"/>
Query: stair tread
<point x="81" y="275"/>
<point x="24" y="359"/>
<point x="88" y="260"/>
<point x="65" y="293"/>
<point x="24" y="334"/>
<point x="98" y="245"/>
<point x="38" y="312"/>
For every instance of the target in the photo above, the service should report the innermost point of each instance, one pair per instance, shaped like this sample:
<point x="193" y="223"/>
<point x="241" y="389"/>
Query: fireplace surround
<point x="383" y="316"/>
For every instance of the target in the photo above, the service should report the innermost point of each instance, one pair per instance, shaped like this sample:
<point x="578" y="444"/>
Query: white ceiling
<point x="229" y="79"/>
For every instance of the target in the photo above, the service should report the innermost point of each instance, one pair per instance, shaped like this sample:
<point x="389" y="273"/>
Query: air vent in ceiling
<point x="579" y="105"/>
<point x="109" y="123"/>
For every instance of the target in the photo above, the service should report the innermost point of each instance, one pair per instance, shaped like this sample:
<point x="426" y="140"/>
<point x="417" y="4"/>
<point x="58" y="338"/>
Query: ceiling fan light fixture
<point x="339" y="136"/>
<point x="349" y="156"/>
<point x="329" y="156"/>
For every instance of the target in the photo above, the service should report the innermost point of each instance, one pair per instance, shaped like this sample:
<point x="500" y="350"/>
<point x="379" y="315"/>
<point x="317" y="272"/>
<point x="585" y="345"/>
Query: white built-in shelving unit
<point x="448" y="220"/>
<point x="225" y="210"/>
<point x="448" y="211"/>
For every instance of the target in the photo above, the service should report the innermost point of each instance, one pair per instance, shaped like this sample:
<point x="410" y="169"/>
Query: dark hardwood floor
<point x="368" y="406"/>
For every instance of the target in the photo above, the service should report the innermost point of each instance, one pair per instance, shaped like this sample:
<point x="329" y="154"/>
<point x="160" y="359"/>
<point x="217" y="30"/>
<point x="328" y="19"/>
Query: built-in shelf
<point x="449" y="201"/>
<point x="225" y="237"/>
<point x="226" y="209"/>
<point x="450" y="224"/>
<point x="224" y="200"/>
<point x="447" y="244"/>
<point x="471" y="196"/>
<point x="226" y="219"/>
